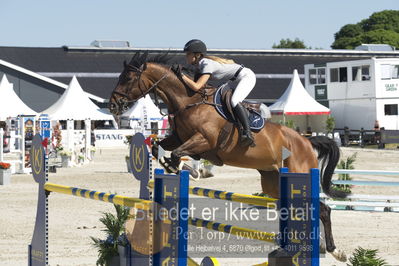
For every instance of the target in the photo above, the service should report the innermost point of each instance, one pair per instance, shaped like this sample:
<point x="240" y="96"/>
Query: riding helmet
<point x="195" y="46"/>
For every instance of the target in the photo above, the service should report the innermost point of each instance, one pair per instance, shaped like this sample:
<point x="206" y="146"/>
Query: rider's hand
<point x="176" y="68"/>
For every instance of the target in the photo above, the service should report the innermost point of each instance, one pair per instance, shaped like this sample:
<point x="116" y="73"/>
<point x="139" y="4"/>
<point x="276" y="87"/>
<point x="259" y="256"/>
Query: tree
<point x="293" y="44"/>
<point x="380" y="28"/>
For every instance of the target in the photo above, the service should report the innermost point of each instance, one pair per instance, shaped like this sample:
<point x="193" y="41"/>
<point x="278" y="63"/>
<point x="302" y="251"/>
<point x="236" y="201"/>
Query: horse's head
<point x="142" y="76"/>
<point x="132" y="85"/>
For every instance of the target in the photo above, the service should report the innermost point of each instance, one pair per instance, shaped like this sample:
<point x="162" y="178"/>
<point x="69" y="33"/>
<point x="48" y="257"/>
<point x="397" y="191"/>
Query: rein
<point x="204" y="100"/>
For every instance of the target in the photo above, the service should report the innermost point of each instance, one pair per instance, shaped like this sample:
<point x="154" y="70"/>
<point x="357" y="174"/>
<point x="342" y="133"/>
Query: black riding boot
<point x="242" y="116"/>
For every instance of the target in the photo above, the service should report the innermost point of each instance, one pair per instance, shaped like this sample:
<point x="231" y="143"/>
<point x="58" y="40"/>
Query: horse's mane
<point x="165" y="59"/>
<point x="139" y="59"/>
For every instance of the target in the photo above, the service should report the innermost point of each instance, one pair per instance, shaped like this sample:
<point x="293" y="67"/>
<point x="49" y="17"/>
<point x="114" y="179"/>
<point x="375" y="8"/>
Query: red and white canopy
<point x="297" y="101"/>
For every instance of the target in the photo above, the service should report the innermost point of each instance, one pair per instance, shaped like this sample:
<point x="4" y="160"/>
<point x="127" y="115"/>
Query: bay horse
<point x="197" y="127"/>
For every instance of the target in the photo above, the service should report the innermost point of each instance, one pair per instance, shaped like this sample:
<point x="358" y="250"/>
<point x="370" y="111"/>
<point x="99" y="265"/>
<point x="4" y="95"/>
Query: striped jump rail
<point x="234" y="230"/>
<point x="230" y="196"/>
<point x="101" y="196"/>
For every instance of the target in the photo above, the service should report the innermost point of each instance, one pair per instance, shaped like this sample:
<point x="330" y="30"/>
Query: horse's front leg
<point x="169" y="144"/>
<point x="173" y="164"/>
<point x="195" y="145"/>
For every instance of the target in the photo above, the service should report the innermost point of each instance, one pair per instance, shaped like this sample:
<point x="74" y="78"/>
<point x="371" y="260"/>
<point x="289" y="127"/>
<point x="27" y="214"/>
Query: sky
<point x="245" y="24"/>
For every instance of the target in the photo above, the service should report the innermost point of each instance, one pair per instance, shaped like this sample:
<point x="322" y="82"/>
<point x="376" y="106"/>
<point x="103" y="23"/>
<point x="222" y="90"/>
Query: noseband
<point x="124" y="102"/>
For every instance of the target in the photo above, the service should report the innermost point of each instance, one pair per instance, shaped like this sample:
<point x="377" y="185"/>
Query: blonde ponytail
<point x="220" y="59"/>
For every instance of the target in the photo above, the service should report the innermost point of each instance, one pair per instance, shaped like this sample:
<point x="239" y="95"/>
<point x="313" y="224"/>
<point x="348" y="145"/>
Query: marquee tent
<point x="136" y="113"/>
<point x="10" y="104"/>
<point x="297" y="105"/>
<point x="74" y="104"/>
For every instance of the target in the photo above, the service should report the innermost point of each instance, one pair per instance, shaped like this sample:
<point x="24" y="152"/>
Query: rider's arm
<point x="196" y="85"/>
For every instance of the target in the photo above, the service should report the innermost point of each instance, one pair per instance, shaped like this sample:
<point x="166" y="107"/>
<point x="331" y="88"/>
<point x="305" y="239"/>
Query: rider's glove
<point x="176" y="68"/>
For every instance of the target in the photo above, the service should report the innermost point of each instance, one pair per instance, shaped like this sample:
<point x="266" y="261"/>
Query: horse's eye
<point x="124" y="79"/>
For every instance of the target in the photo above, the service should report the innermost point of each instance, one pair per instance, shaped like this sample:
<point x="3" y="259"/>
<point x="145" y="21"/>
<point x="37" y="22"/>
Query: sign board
<point x="171" y="193"/>
<point x="299" y="209"/>
<point x="390" y="136"/>
<point x="38" y="249"/>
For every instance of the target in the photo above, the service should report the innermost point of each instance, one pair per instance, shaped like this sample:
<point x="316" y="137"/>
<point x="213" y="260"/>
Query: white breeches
<point x="246" y="82"/>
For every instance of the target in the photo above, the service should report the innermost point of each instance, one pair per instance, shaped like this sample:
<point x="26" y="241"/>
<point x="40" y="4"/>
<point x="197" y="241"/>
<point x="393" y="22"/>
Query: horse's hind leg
<point x="270" y="181"/>
<point x="325" y="216"/>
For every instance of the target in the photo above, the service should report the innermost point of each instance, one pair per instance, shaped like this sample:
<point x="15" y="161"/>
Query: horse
<point x="197" y="126"/>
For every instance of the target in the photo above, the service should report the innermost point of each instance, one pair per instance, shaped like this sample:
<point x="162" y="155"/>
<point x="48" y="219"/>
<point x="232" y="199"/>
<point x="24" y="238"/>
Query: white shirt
<point x="218" y="71"/>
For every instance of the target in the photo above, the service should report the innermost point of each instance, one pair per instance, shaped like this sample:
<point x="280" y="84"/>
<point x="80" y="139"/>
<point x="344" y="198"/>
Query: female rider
<point x="220" y="69"/>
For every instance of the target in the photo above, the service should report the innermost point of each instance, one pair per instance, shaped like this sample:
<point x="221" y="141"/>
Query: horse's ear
<point x="143" y="67"/>
<point x="134" y="58"/>
<point x="124" y="64"/>
<point x="143" y="57"/>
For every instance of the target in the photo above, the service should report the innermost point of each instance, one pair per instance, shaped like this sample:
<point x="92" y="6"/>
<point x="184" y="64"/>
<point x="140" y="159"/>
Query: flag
<point x="45" y="142"/>
<point x="161" y="152"/>
<point x="148" y="141"/>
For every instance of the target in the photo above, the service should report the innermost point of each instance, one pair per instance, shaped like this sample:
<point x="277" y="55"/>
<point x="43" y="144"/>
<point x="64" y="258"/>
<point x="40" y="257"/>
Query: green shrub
<point x="366" y="257"/>
<point x="348" y="164"/>
<point x="114" y="229"/>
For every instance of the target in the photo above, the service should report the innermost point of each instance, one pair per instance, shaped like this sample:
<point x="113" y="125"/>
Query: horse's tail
<point x="328" y="155"/>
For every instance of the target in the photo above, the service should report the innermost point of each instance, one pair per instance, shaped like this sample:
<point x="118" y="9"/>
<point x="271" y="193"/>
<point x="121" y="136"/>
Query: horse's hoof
<point x="322" y="249"/>
<point x="205" y="173"/>
<point x="194" y="175"/>
<point x="339" y="255"/>
<point x="166" y="163"/>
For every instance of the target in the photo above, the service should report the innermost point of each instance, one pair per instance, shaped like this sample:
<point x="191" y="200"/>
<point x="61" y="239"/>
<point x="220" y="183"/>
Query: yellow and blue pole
<point x="101" y="196"/>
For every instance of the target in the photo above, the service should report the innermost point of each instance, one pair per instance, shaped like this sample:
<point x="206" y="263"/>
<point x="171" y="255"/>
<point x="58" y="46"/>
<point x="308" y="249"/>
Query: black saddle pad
<point x="256" y="121"/>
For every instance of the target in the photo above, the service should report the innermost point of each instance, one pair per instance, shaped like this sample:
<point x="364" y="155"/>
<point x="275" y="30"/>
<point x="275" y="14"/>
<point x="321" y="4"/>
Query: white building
<point x="357" y="92"/>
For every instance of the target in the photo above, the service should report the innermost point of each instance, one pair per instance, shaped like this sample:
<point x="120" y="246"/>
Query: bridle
<point x="124" y="102"/>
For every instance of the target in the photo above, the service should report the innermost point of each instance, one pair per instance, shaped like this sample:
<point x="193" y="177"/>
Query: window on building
<point x="154" y="127"/>
<point x="338" y="74"/>
<point x="360" y="73"/>
<point x="385" y="71"/>
<point x="321" y="76"/>
<point x="312" y="76"/>
<point x="317" y="76"/>
<point x="343" y="74"/>
<point x="334" y="75"/>
<point x="395" y="72"/>
<point x="391" y="109"/>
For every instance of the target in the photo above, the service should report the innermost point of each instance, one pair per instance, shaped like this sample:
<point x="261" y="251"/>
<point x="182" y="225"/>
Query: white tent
<point x="137" y="113"/>
<point x="74" y="104"/>
<point x="10" y="104"/>
<point x="300" y="107"/>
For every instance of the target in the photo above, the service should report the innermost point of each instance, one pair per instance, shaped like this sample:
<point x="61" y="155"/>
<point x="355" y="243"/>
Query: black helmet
<point x="195" y="46"/>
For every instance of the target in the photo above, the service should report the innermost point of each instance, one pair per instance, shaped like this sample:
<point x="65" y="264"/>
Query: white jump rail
<point x="365" y="183"/>
<point x="366" y="172"/>
<point x="363" y="203"/>
<point x="366" y="201"/>
<point x="368" y="197"/>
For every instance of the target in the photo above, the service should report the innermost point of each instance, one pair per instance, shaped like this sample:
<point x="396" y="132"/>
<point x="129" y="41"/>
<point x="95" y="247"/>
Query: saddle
<point x="223" y="106"/>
